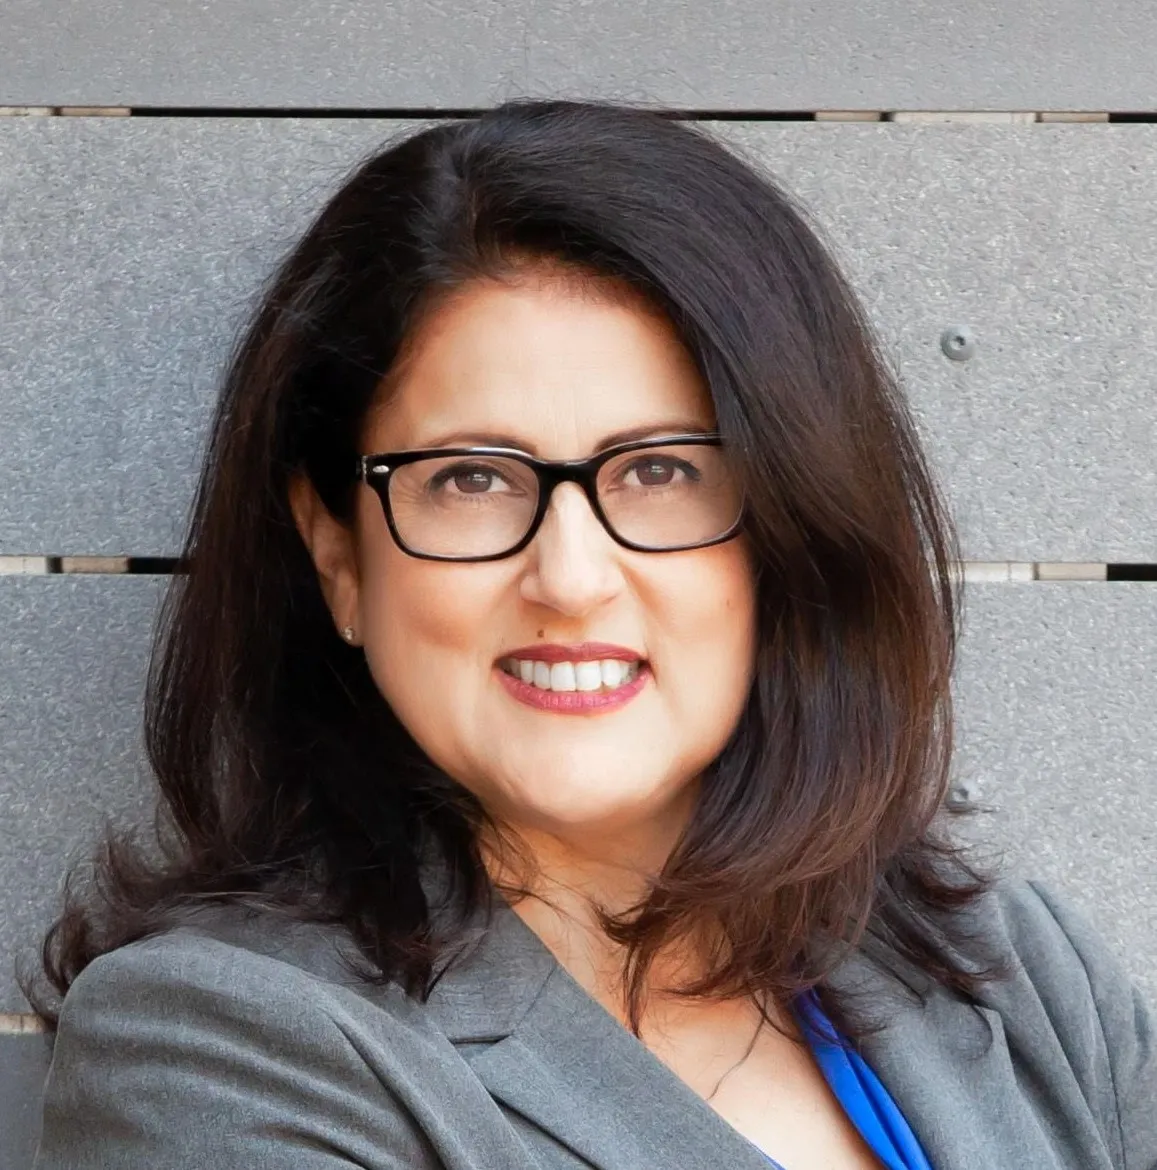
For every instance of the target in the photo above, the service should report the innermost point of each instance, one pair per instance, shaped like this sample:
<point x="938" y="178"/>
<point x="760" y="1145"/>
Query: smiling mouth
<point x="596" y="676"/>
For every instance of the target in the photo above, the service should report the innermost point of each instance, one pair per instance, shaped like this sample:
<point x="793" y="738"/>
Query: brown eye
<point x="657" y="471"/>
<point x="466" y="479"/>
<point x="654" y="474"/>
<point x="468" y="482"/>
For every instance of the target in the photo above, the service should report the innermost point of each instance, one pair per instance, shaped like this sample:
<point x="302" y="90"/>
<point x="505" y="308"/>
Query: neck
<point x="560" y="882"/>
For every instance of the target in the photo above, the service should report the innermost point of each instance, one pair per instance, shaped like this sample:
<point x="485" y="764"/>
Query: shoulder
<point x="1038" y="924"/>
<point x="253" y="1022"/>
<point x="277" y="965"/>
<point x="1072" y="998"/>
<point x="1056" y="951"/>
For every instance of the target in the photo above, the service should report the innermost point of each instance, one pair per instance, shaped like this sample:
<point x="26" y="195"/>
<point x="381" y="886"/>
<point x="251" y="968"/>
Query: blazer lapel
<point x="544" y="1048"/>
<point x="948" y="1067"/>
<point x="579" y="1074"/>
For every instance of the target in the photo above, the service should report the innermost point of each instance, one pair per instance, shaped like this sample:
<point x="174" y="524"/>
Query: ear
<point x="333" y="548"/>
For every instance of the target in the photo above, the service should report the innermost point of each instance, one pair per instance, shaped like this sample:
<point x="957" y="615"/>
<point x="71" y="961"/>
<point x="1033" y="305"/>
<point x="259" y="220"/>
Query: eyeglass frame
<point x="375" y="472"/>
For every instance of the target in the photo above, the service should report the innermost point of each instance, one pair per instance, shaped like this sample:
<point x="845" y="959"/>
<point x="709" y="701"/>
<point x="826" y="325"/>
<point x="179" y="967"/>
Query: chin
<point x="576" y="808"/>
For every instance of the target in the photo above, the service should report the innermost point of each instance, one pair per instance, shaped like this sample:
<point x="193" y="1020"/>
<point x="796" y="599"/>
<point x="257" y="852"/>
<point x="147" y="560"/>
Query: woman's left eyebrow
<point x="631" y="435"/>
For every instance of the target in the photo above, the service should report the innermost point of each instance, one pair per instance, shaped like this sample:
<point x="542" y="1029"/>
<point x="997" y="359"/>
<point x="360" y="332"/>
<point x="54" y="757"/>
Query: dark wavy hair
<point x="286" y="780"/>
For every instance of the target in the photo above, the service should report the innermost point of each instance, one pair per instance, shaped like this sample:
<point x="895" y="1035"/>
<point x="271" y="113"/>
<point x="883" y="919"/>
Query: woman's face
<point x="557" y="371"/>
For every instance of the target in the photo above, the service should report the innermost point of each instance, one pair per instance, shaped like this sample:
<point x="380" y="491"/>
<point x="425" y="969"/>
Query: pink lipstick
<point x="584" y="678"/>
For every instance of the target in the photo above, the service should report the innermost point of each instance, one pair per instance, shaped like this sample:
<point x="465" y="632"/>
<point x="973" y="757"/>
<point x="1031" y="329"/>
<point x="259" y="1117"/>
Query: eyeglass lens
<point x="483" y="505"/>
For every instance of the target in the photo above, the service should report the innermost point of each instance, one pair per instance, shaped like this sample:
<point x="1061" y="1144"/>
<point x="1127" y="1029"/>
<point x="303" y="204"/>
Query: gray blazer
<point x="245" y="1042"/>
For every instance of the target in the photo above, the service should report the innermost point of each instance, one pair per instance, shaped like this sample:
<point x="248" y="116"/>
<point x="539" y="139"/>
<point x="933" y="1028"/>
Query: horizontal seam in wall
<point x="985" y="571"/>
<point x="909" y="117"/>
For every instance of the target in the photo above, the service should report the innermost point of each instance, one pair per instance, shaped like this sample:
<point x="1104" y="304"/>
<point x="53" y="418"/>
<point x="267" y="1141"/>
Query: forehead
<point x="550" y="364"/>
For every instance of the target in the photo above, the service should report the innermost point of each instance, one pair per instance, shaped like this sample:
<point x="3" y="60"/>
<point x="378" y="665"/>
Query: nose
<point x="574" y="563"/>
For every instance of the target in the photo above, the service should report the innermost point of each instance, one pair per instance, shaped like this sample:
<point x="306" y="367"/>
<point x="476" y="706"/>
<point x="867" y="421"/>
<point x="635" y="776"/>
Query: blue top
<point x="865" y="1100"/>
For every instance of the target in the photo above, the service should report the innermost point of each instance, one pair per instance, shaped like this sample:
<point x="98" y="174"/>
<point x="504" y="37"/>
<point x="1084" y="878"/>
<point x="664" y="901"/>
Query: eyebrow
<point x="504" y="439"/>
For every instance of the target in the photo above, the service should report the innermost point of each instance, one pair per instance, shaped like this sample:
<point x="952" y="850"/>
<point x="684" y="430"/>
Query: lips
<point x="579" y="652"/>
<point x="582" y="677"/>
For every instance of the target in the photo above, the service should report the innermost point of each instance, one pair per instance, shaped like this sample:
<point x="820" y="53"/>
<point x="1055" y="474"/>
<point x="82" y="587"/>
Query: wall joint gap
<point x="848" y="116"/>
<point x="986" y="572"/>
<point x="971" y="117"/>
<point x="1071" y="571"/>
<point x="23" y="565"/>
<point x="1073" y="116"/>
<point x="20" y="1024"/>
<point x="94" y="111"/>
<point x="1131" y="572"/>
<point x="156" y="566"/>
<point x="94" y="565"/>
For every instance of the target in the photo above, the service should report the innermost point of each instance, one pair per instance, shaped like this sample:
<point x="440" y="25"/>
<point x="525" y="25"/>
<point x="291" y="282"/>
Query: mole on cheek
<point x="541" y="634"/>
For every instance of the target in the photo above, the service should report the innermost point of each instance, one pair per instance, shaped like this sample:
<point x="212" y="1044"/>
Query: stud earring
<point x="348" y="633"/>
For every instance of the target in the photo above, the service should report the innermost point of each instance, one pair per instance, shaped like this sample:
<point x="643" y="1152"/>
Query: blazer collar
<point x="493" y="978"/>
<point x="549" y="1051"/>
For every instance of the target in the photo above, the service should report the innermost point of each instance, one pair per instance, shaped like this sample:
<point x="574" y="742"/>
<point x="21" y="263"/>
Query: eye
<point x="654" y="471"/>
<point x="470" y="479"/>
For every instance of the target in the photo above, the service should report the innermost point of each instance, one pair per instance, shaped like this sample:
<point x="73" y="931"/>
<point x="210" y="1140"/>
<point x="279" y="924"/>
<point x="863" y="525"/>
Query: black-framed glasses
<point x="663" y="494"/>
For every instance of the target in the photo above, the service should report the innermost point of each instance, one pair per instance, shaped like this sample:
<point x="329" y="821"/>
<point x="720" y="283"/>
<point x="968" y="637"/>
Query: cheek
<point x="411" y="607"/>
<point x="704" y="612"/>
<point x="711" y="608"/>
<point x="713" y="642"/>
<point x="416" y="613"/>
<point x="424" y="626"/>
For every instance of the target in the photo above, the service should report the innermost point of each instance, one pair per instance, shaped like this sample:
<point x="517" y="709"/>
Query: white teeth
<point x="607" y="674"/>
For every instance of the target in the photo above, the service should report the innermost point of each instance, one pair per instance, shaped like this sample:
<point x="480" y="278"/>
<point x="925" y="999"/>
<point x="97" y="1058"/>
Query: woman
<point x="553" y="725"/>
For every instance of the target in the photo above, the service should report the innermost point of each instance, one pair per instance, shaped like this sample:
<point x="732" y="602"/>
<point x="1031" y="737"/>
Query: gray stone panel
<point x="735" y="55"/>
<point x="1040" y="239"/>
<point x="1055" y="699"/>
<point x="73" y="653"/>
<point x="131" y="249"/>
<point x="264" y="53"/>
<point x="23" y="1066"/>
